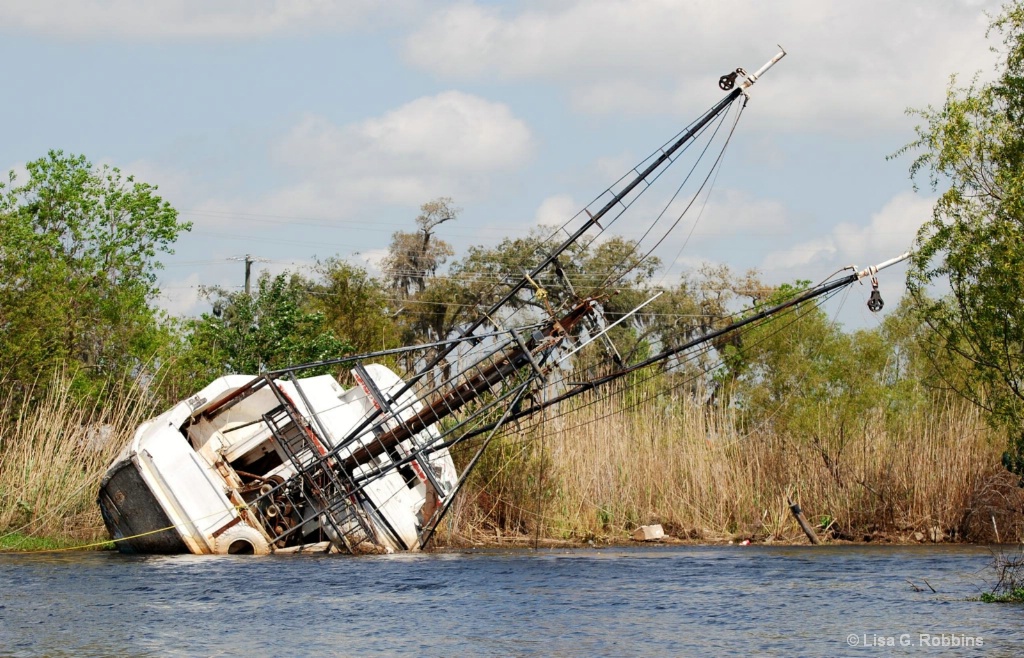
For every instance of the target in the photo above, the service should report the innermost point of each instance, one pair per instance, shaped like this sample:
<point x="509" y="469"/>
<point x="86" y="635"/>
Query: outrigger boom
<point x="755" y="316"/>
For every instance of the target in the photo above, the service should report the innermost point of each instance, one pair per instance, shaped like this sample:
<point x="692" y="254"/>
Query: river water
<point x="674" y="600"/>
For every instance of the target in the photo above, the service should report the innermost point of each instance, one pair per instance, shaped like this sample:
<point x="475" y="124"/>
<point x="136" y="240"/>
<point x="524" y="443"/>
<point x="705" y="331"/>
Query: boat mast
<point x="707" y="117"/>
<point x="726" y="82"/>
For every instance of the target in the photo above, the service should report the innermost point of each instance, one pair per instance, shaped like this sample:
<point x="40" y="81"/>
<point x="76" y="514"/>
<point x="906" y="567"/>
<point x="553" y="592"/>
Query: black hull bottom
<point x="129" y="510"/>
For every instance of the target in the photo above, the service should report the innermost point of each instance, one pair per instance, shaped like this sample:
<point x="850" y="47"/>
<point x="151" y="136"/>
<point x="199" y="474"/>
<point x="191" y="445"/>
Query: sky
<point x="301" y="130"/>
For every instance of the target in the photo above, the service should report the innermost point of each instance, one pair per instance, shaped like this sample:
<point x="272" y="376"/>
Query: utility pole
<point x="249" y="259"/>
<point x="248" y="271"/>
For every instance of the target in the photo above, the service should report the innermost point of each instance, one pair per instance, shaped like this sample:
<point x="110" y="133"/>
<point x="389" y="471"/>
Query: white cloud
<point x="815" y="250"/>
<point x="732" y="223"/>
<point x="371" y="259"/>
<point x="890" y="232"/>
<point x="131" y="19"/>
<point x="450" y="144"/>
<point x="556" y="210"/>
<point x="451" y="131"/>
<point x="180" y="297"/>
<point x="729" y="213"/>
<point x="863" y="61"/>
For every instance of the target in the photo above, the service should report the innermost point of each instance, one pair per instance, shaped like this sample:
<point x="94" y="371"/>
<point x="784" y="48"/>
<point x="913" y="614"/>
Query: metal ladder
<point x="328" y="489"/>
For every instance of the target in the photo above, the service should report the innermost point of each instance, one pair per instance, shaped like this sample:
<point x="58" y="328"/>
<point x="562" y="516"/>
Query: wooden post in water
<point x="804" y="525"/>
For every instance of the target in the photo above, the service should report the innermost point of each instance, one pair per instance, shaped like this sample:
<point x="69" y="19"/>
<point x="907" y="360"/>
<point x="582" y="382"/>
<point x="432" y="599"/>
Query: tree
<point x="798" y="367"/>
<point x="410" y="269"/>
<point x="414" y="257"/>
<point x="275" y="328"/>
<point x="612" y="270"/>
<point x="356" y="307"/>
<point x="78" y="263"/>
<point x="973" y="148"/>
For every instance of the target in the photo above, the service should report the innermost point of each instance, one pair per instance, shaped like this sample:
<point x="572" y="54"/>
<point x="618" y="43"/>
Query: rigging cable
<point x="597" y="399"/>
<point x="713" y="171"/>
<point x="654" y="177"/>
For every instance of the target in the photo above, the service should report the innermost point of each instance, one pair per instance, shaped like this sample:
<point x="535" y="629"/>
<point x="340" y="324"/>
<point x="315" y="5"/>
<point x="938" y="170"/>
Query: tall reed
<point x="607" y="465"/>
<point x="599" y="467"/>
<point x="54" y="450"/>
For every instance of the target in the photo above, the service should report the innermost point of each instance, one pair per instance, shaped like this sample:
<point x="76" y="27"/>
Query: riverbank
<point x="16" y="542"/>
<point x="603" y="466"/>
<point x="19" y="543"/>
<point x="525" y="541"/>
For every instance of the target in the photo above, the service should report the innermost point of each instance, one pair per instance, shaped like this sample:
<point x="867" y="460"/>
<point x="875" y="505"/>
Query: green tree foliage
<point x="972" y="148"/>
<point x="588" y="268"/>
<point x="799" y="377"/>
<point x="612" y="270"/>
<point x="356" y="307"/>
<point x="693" y="308"/>
<point x="799" y="364"/>
<point x="78" y="265"/>
<point x="275" y="327"/>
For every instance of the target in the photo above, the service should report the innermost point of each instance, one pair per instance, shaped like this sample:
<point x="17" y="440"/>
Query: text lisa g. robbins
<point x="915" y="640"/>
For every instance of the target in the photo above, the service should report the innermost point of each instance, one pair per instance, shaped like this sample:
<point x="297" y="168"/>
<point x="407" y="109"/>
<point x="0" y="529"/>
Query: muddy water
<point x="696" y="601"/>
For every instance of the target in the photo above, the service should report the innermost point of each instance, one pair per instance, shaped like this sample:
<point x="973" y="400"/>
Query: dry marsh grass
<point x="601" y="466"/>
<point x="605" y="466"/>
<point x="53" y="453"/>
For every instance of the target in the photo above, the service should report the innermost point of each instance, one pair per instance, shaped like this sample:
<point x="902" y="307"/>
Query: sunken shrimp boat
<point x="284" y="462"/>
<point x="295" y="461"/>
<point x="254" y="465"/>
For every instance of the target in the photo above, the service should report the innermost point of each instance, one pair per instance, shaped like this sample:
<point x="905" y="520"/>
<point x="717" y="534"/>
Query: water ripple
<point x="667" y="601"/>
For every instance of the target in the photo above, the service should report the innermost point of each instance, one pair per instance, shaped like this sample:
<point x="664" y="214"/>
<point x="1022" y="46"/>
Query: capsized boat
<point x="240" y="468"/>
<point x="287" y="463"/>
<point x="293" y="461"/>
